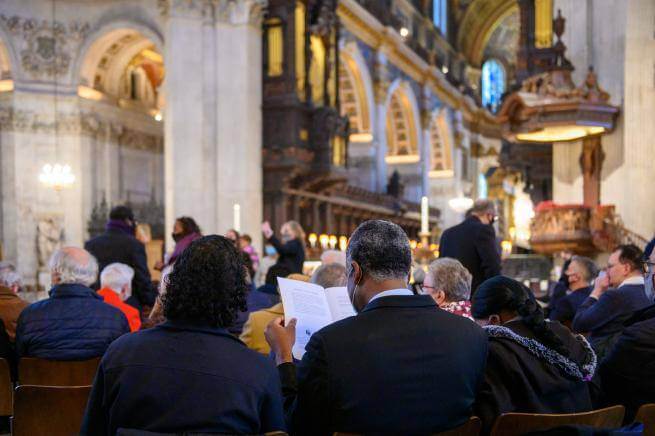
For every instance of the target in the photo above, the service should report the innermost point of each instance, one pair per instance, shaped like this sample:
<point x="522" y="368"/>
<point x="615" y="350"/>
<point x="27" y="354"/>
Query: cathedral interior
<point x="328" y="112"/>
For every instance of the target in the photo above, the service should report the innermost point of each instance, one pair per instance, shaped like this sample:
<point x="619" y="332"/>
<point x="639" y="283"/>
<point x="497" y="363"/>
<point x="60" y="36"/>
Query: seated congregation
<point x="408" y="362"/>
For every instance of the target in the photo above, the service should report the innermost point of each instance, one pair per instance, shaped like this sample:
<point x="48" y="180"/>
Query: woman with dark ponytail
<point x="533" y="365"/>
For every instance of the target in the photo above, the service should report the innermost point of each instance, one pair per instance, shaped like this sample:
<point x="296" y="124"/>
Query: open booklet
<point x="313" y="307"/>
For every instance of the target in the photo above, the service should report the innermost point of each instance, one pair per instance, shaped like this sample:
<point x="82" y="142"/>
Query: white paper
<point x="339" y="301"/>
<point x="307" y="303"/>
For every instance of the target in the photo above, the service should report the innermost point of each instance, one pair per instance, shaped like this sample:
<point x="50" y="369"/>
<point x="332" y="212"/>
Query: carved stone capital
<point x="248" y="12"/>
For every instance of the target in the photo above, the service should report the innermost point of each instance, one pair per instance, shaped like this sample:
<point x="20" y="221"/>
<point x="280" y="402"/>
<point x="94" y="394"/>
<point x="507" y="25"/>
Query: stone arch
<point x="441" y="147"/>
<point x="356" y="93"/>
<point x="8" y="58"/>
<point x="402" y="124"/>
<point x="123" y="60"/>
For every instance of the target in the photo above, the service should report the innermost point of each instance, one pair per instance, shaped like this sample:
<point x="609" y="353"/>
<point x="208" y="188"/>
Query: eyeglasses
<point x="423" y="288"/>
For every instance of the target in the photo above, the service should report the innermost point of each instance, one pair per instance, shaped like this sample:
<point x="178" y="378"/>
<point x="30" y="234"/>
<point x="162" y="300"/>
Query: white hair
<point x="71" y="270"/>
<point x="9" y="277"/>
<point x="115" y="276"/>
<point x="333" y="256"/>
<point x="451" y="277"/>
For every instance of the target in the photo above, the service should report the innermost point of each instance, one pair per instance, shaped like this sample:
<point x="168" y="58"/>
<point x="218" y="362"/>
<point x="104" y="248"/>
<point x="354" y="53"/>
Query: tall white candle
<point x="425" y="215"/>
<point x="237" y="217"/>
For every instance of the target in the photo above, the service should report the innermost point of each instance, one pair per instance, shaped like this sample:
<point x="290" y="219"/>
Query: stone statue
<point x="50" y="237"/>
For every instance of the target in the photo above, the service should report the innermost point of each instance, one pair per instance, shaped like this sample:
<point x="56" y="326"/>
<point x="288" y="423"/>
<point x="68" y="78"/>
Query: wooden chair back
<point x="41" y="372"/>
<point x="51" y="410"/>
<point x="515" y="424"/>
<point x="469" y="428"/>
<point x="646" y="415"/>
<point x="6" y="389"/>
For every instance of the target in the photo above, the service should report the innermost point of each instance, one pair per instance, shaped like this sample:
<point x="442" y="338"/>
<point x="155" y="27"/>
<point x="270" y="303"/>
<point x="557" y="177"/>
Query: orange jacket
<point x="132" y="315"/>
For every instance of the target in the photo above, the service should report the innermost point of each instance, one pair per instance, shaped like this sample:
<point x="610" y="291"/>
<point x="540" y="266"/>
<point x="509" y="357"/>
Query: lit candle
<point x="343" y="243"/>
<point x="312" y="239"/>
<point x="237" y="217"/>
<point x="333" y="241"/>
<point x="425" y="214"/>
<point x="324" y="240"/>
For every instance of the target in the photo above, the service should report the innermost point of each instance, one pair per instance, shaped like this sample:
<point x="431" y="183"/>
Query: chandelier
<point x="57" y="176"/>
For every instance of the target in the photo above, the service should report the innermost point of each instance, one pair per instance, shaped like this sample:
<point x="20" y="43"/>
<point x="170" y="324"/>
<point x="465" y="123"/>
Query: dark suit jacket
<point x="117" y="246"/>
<point x="291" y="254"/>
<point x="628" y="373"/>
<point x="565" y="308"/>
<point x="401" y="366"/>
<point x="474" y="244"/>
<point x="179" y="377"/>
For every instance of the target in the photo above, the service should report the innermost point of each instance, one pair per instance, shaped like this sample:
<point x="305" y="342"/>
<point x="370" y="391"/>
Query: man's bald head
<point x="73" y="265"/>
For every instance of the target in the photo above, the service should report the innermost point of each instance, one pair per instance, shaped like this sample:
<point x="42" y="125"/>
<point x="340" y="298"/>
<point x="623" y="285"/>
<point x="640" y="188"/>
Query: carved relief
<point x="50" y="237"/>
<point x="47" y="45"/>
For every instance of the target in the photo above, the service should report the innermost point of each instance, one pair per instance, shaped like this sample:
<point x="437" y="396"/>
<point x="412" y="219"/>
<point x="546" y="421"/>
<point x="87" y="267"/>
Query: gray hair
<point x="9" y="277"/>
<point x="483" y="205"/>
<point x="381" y="248"/>
<point x="333" y="256"/>
<point x="74" y="266"/>
<point x="588" y="267"/>
<point x="450" y="276"/>
<point x="116" y="275"/>
<point x="330" y="275"/>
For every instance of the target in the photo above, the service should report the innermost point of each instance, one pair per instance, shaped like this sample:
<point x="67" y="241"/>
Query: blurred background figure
<point x="330" y="275"/>
<point x="245" y="243"/>
<point x="579" y="274"/>
<point x="11" y="305"/>
<point x="116" y="288"/>
<point x="268" y="260"/>
<point x="185" y="231"/>
<point x="333" y="256"/>
<point x="291" y="247"/>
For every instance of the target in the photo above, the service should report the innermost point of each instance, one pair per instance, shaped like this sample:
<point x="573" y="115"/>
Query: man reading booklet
<point x="313" y="307"/>
<point x="400" y="356"/>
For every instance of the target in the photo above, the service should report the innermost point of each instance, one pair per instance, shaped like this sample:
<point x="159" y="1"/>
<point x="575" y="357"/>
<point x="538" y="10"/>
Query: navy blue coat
<point x="565" y="308"/>
<point x="73" y="324"/>
<point x="179" y="377"/>
<point x="604" y="318"/>
<point x="402" y="366"/>
<point x="117" y="246"/>
<point x="474" y="245"/>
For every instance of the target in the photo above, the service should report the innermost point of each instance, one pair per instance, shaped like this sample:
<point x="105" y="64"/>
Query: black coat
<point x="518" y="380"/>
<point x="401" y="366"/>
<point x="179" y="377"/>
<point x="117" y="246"/>
<point x="290" y="254"/>
<point x="474" y="244"/>
<point x="628" y="372"/>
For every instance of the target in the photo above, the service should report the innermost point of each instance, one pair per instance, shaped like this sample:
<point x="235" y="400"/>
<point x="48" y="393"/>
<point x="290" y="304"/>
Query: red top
<point x="132" y="315"/>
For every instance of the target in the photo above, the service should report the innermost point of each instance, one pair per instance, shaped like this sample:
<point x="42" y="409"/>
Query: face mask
<point x="270" y="250"/>
<point x="649" y="287"/>
<point x="177" y="236"/>
<point x="286" y="237"/>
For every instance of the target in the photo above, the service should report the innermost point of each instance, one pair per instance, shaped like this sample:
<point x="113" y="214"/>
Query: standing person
<point x="11" y="305"/>
<point x="118" y="244"/>
<point x="185" y="231"/>
<point x="579" y="274"/>
<point x="533" y="366"/>
<point x="401" y="366"/>
<point x="245" y="243"/>
<point x="616" y="296"/>
<point x="473" y="243"/>
<point x="265" y="263"/>
<point x="291" y="249"/>
<point x="189" y="374"/>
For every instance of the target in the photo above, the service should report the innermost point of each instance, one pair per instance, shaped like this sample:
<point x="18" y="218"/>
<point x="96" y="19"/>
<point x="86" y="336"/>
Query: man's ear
<point x="357" y="273"/>
<point x="440" y="297"/>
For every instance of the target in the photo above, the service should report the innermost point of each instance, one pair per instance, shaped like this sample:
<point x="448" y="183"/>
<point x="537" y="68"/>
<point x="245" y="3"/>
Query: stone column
<point x="238" y="114"/>
<point x="380" y="90"/>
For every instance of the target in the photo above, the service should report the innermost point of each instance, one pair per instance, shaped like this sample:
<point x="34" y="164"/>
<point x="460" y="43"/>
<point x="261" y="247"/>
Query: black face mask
<point x="177" y="236"/>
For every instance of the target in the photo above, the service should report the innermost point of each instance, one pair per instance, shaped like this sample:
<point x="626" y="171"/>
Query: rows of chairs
<point x="50" y="397"/>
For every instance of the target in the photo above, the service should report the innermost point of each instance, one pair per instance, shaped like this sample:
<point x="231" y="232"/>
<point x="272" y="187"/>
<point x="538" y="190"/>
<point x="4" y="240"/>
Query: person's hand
<point x="601" y="284"/>
<point x="266" y="229"/>
<point x="281" y="339"/>
<point x="159" y="265"/>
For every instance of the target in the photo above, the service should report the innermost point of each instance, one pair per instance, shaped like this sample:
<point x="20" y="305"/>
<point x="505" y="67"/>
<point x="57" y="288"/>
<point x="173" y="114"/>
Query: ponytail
<point x="502" y="293"/>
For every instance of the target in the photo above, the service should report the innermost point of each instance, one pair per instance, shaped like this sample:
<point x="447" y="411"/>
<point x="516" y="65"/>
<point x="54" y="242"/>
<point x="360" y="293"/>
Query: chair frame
<point x="646" y="416"/>
<point x="41" y="372"/>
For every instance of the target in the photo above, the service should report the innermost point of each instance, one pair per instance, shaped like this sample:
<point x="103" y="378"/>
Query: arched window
<point x="440" y="15"/>
<point x="493" y="84"/>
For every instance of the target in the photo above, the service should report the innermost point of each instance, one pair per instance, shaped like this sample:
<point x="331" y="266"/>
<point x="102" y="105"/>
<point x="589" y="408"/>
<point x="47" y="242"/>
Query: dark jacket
<point x="117" y="246"/>
<point x="178" y="377"/>
<point x="291" y="254"/>
<point x="73" y="324"/>
<point x="263" y="297"/>
<point x="474" y="244"/>
<point x="604" y="318"/>
<point x="628" y="372"/>
<point x="401" y="366"/>
<point x="520" y="379"/>
<point x="565" y="308"/>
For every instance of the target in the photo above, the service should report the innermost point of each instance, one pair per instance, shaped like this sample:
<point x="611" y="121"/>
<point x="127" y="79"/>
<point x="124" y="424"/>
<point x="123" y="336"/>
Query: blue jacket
<point x="178" y="377"/>
<point x="73" y="324"/>
<point x="604" y="318"/>
<point x="565" y="308"/>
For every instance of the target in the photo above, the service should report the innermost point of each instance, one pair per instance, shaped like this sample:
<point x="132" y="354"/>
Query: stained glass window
<point x="493" y="84"/>
<point x="440" y="15"/>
